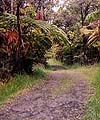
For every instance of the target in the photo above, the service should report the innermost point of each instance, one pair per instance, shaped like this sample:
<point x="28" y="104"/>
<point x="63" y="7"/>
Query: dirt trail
<point x="54" y="100"/>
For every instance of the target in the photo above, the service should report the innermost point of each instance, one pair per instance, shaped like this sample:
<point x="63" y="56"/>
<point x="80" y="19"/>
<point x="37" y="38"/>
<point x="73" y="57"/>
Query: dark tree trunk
<point x="84" y="12"/>
<point x="19" y="24"/>
<point x="18" y="56"/>
<point x="3" y="6"/>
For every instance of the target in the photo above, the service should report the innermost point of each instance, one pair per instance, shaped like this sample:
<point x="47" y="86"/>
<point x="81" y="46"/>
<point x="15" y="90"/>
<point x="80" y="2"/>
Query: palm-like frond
<point x="93" y="34"/>
<point x="53" y="31"/>
<point x="47" y="29"/>
<point x="93" y="16"/>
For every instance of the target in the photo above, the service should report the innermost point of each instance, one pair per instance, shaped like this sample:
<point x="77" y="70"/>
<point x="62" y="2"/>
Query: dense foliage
<point x="37" y="37"/>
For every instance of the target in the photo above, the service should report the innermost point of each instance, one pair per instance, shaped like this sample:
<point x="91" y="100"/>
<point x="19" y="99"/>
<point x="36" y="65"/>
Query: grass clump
<point x="39" y="71"/>
<point x="20" y="82"/>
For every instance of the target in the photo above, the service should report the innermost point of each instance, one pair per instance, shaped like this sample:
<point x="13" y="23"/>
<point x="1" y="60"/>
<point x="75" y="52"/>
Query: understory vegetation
<point x="21" y="82"/>
<point x="93" y="106"/>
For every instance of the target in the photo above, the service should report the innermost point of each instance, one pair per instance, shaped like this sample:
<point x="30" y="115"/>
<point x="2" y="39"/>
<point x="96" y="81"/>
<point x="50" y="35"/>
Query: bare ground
<point x="63" y="96"/>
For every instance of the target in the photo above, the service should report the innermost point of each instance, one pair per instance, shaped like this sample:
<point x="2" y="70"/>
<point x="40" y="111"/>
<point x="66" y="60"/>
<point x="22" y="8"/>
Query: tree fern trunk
<point x="12" y="6"/>
<point x="18" y="57"/>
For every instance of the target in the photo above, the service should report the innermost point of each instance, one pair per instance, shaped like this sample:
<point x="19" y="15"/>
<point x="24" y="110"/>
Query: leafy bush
<point x="70" y="55"/>
<point x="77" y="54"/>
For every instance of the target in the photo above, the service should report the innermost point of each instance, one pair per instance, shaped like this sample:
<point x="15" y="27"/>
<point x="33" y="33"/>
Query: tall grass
<point x="93" y="106"/>
<point x="20" y="82"/>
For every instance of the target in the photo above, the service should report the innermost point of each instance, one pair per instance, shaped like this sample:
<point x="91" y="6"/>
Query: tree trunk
<point x="18" y="56"/>
<point x="12" y="6"/>
<point x="3" y="6"/>
<point x="19" y="24"/>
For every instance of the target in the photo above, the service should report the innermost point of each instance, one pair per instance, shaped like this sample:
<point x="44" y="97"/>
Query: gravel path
<point x="41" y="103"/>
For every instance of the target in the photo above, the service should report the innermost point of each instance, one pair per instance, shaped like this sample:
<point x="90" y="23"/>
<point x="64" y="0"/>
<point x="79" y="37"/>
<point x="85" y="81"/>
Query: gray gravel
<point x="40" y="104"/>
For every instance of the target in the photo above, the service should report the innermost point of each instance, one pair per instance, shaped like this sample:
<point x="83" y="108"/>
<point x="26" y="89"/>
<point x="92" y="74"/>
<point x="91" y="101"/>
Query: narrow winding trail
<point x="63" y="96"/>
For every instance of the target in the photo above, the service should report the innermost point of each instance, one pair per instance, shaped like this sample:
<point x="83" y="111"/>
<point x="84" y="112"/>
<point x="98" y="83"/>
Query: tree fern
<point x="9" y="21"/>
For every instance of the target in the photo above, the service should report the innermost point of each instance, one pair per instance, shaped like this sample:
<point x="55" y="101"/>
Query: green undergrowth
<point x="54" y="62"/>
<point x="21" y="82"/>
<point x="74" y="66"/>
<point x="93" y="106"/>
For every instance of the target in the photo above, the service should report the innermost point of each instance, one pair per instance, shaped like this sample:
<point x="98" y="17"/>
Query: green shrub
<point x="38" y="71"/>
